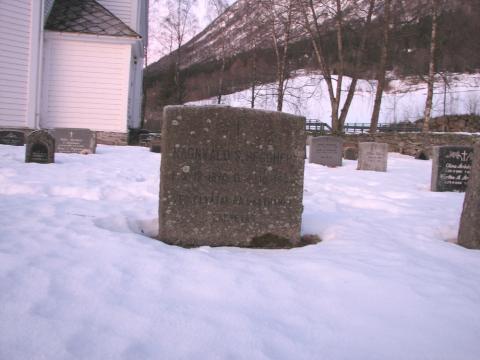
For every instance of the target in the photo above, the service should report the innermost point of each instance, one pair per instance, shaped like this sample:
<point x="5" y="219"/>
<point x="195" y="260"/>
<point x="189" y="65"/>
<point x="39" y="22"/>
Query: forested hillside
<point x="253" y="42"/>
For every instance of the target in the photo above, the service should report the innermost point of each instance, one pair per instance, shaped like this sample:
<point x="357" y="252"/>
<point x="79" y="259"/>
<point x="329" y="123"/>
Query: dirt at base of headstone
<point x="269" y="241"/>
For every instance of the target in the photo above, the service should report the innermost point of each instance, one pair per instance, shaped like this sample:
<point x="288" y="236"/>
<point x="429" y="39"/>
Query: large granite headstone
<point x="469" y="232"/>
<point x="372" y="156"/>
<point x="74" y="141"/>
<point x="231" y="177"/>
<point x="326" y="150"/>
<point x="451" y="167"/>
<point x="40" y="147"/>
<point x="12" y="137"/>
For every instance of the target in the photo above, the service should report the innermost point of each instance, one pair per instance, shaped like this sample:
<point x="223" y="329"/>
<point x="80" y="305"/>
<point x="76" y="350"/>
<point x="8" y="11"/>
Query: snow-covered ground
<point x="404" y="100"/>
<point x="79" y="278"/>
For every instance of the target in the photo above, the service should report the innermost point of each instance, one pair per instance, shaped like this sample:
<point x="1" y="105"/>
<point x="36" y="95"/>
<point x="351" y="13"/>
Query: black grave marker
<point x="40" y="147"/>
<point x="451" y="168"/>
<point x="12" y="137"/>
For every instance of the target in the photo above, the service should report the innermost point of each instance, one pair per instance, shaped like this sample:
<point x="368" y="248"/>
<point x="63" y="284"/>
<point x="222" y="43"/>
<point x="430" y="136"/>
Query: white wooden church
<point x="72" y="64"/>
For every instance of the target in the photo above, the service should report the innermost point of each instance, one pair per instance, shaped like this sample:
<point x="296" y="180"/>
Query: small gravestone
<point x="74" y="141"/>
<point x="147" y="139"/>
<point x="451" y="167"/>
<point x="421" y="155"/>
<point x="469" y="232"/>
<point x="372" y="156"/>
<point x="326" y="150"/>
<point x="40" y="147"/>
<point x="11" y="137"/>
<point x="350" y="153"/>
<point x="231" y="177"/>
<point x="156" y="146"/>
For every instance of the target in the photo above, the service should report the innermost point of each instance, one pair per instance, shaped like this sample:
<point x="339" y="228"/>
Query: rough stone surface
<point x="40" y="147"/>
<point x="372" y="156"/>
<point x="12" y="137"/>
<point x="76" y="141"/>
<point x="411" y="143"/>
<point x="469" y="232"/>
<point x="231" y="177"/>
<point x="111" y="138"/>
<point x="350" y="153"/>
<point x="451" y="167"/>
<point x="454" y="123"/>
<point x="326" y="150"/>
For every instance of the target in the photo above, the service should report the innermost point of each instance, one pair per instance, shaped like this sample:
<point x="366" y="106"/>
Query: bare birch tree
<point x="278" y="15"/>
<point x="251" y="19"/>
<point x="314" y="13"/>
<point x="219" y="7"/>
<point x="431" y="67"/>
<point x="381" y="67"/>
<point x="179" y="23"/>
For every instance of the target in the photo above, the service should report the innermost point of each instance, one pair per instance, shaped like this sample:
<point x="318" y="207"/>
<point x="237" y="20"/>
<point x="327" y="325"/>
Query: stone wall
<point x="454" y="123"/>
<point x="411" y="143"/>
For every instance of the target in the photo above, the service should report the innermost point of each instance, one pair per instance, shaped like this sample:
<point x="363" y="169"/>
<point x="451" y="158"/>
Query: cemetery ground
<point x="80" y="278"/>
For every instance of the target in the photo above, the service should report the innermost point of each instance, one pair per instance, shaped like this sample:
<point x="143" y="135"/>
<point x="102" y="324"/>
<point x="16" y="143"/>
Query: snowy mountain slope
<point x="403" y="101"/>
<point x="79" y="278"/>
<point x="202" y="10"/>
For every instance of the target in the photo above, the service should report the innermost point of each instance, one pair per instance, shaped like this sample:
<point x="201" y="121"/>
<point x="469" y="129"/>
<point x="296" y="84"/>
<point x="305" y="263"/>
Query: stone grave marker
<point x="40" y="147"/>
<point x="147" y="139"/>
<point x="326" y="150"/>
<point x="12" y="137"/>
<point x="350" y="153"/>
<point x="372" y="156"/>
<point x="231" y="177"/>
<point x="451" y="167"/>
<point x="421" y="155"/>
<point x="469" y="232"/>
<point x="156" y="146"/>
<point x="74" y="141"/>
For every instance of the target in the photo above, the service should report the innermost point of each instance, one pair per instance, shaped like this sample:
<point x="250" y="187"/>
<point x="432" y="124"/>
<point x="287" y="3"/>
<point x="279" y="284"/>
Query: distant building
<point x="73" y="63"/>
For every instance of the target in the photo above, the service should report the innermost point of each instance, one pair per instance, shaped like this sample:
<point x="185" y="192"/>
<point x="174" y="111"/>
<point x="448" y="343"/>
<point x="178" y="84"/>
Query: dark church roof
<point x="86" y="17"/>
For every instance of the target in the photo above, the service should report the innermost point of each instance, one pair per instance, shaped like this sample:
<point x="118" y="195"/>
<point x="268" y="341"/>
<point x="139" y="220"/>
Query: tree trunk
<point x="358" y="62"/>
<point x="381" y="70"/>
<point x="431" y="68"/>
<point x="177" y="77"/>
<point x="340" y="70"/>
<point x="220" y="81"/>
<point x="254" y="77"/>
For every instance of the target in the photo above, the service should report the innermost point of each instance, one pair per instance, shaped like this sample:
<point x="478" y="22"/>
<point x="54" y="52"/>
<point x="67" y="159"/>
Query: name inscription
<point x="457" y="167"/>
<point x="265" y="169"/>
<point x="226" y="155"/>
